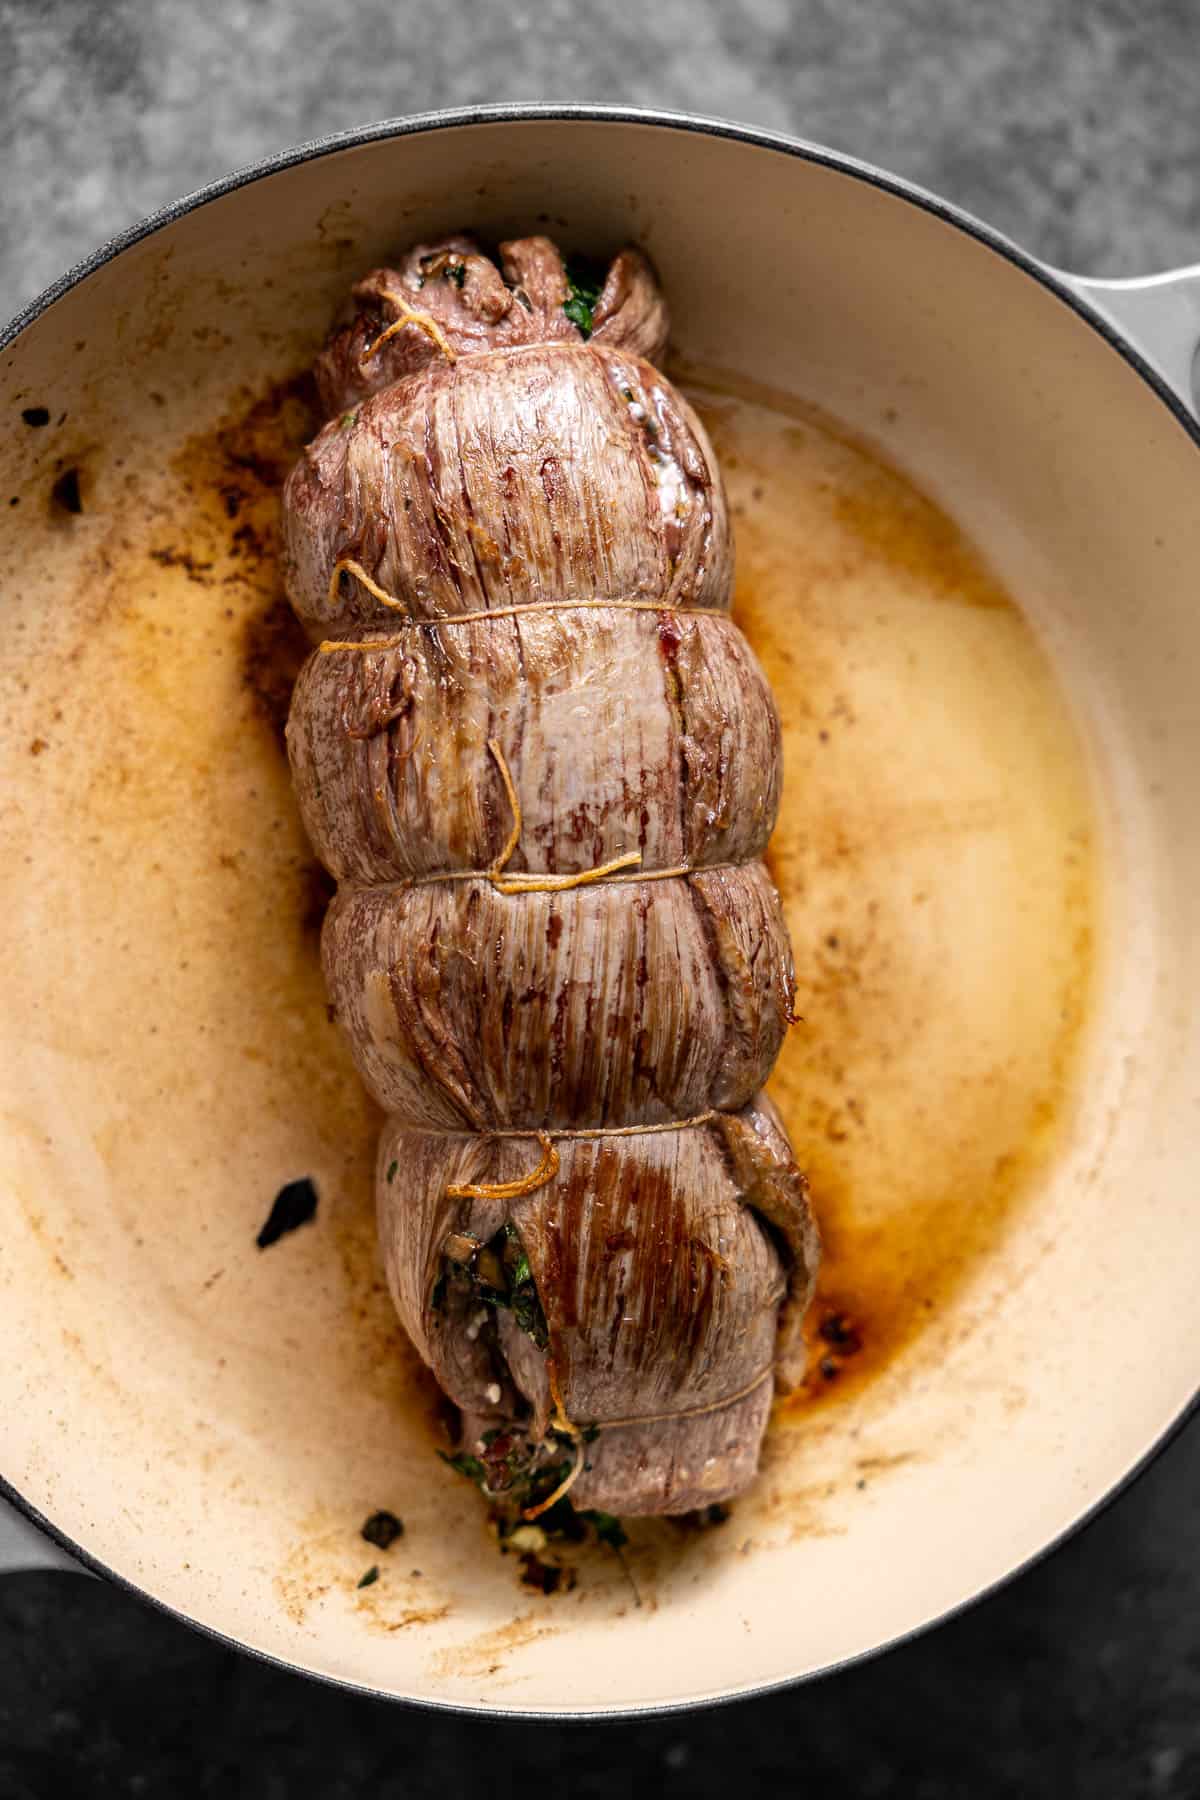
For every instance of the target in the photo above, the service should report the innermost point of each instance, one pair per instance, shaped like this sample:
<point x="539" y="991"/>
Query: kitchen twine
<point x="627" y="867"/>
<point x="346" y="565"/>
<point x="525" y="883"/>
<point x="548" y="1168"/>
<point x="544" y="1173"/>
<point x="407" y="315"/>
<point x="687" y="1412"/>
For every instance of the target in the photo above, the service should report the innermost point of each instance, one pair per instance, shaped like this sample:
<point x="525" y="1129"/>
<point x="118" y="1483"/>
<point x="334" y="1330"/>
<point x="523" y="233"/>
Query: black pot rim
<point x="520" y="113"/>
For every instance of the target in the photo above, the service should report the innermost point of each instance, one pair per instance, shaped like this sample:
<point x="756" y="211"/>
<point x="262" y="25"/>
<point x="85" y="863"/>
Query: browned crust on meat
<point x="511" y="548"/>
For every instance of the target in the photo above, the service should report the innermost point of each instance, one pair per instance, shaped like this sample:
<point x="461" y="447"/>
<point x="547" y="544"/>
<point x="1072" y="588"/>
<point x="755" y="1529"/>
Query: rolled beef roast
<point x="543" y="765"/>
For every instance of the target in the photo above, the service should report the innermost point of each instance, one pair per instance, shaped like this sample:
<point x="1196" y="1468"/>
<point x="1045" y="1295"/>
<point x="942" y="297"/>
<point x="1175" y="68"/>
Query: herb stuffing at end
<point x="498" y="1275"/>
<point x="515" y="1476"/>
<point x="585" y="282"/>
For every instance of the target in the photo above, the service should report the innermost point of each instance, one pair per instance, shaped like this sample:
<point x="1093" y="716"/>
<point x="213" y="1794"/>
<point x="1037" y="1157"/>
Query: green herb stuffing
<point x="509" y="1474"/>
<point x="470" y="1466"/>
<point x="449" y="264"/>
<point x="522" y="1289"/>
<point x="513" y="1470"/>
<point x="585" y="283"/>
<point x="608" y="1528"/>
<point x="349" y="418"/>
<point x="542" y="1483"/>
<point x="371" y="1576"/>
<point x="527" y="1311"/>
<point x="500" y="1276"/>
<point x="509" y="1469"/>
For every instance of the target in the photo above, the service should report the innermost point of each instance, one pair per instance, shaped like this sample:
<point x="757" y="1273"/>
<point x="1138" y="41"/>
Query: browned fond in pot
<point x="511" y="541"/>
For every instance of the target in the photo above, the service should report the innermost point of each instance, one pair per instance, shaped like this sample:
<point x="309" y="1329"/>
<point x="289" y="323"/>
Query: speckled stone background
<point x="1073" y="127"/>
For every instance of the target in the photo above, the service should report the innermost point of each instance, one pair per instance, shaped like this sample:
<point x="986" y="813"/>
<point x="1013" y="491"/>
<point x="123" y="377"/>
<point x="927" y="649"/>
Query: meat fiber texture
<point x="510" y="545"/>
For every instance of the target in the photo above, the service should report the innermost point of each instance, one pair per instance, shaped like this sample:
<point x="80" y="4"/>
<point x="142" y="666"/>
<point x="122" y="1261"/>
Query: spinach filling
<point x="499" y="1275"/>
<point x="585" y="283"/>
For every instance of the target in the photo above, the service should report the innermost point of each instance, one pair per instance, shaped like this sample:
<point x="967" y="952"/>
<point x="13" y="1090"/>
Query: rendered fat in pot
<point x="543" y="764"/>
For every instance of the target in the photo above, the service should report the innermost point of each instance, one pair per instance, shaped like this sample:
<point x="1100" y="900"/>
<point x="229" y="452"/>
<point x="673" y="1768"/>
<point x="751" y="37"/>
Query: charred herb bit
<point x="546" y="1578"/>
<point x="36" y="415"/>
<point x="391" y="1171"/>
<point x="841" y="1333"/>
<point x="370" y="1578"/>
<point x="382" y="1529"/>
<point x="585" y="284"/>
<point x="65" y="492"/>
<point x="295" y="1205"/>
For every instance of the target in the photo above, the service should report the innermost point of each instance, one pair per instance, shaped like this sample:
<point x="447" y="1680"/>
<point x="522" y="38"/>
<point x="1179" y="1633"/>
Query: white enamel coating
<point x="151" y="1423"/>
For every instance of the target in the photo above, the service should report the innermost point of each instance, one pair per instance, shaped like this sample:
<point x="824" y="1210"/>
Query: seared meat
<point x="543" y="765"/>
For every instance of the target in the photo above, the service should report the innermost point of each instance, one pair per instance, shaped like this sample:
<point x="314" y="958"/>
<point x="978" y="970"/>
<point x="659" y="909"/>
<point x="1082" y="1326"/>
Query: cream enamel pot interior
<point x="209" y="1424"/>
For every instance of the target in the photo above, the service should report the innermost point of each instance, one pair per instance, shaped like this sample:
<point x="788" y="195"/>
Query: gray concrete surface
<point x="1076" y="129"/>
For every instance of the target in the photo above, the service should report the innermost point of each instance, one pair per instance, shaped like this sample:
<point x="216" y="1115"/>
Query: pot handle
<point x="1160" y="316"/>
<point x="24" y="1546"/>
